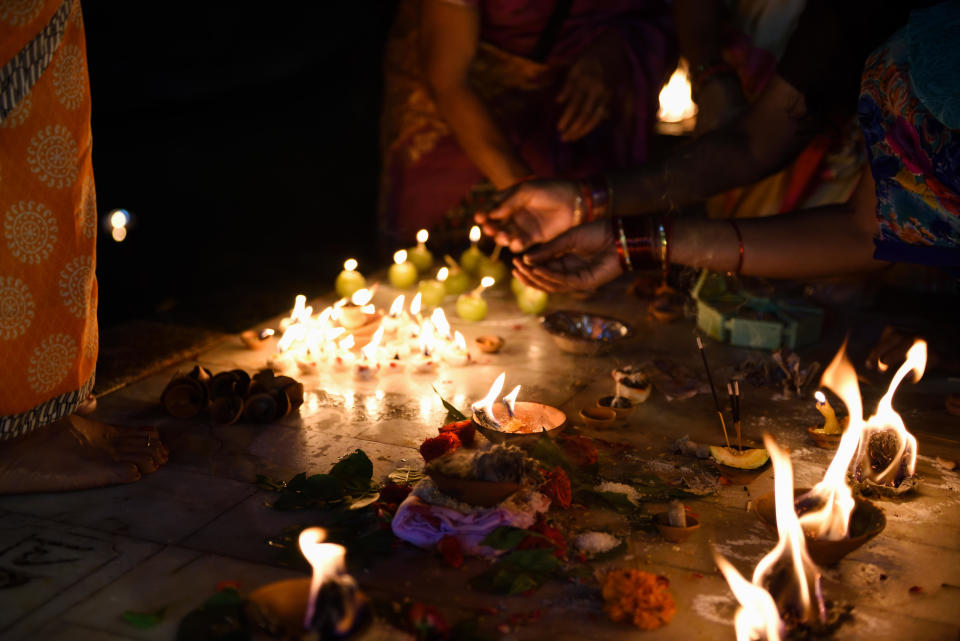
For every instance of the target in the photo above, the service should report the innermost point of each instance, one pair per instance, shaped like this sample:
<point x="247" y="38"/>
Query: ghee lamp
<point x="457" y="281"/>
<point x="470" y="258"/>
<point x="402" y="274"/>
<point x="433" y="291"/>
<point x="419" y="255"/>
<point x="358" y="311"/>
<point x="831" y="425"/>
<point x="472" y="307"/>
<point x="349" y="280"/>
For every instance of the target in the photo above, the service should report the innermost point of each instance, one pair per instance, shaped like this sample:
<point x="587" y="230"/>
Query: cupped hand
<point x="719" y="101"/>
<point x="587" y="95"/>
<point x="533" y="212"/>
<point x="583" y="258"/>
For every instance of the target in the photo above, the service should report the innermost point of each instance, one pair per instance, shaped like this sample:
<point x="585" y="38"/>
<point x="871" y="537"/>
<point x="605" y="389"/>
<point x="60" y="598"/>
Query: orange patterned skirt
<point x="48" y="219"/>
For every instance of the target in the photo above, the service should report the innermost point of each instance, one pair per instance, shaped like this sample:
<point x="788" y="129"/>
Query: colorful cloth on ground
<point x="426" y="173"/>
<point x="48" y="291"/>
<point x="914" y="157"/>
<point x="828" y="169"/>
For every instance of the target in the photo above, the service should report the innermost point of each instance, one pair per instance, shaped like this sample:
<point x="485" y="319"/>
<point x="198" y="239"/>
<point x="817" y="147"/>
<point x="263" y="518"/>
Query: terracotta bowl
<point x="866" y="521"/>
<point x="279" y="609"/>
<point x="549" y="419"/>
<point x="598" y="417"/>
<point x="490" y="344"/>
<point x="826" y="441"/>
<point x="482" y="493"/>
<point x="621" y="412"/>
<point x="672" y="533"/>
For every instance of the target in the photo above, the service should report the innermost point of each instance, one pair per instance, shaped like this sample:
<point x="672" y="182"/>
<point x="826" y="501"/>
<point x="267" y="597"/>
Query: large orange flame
<point x="759" y="616"/>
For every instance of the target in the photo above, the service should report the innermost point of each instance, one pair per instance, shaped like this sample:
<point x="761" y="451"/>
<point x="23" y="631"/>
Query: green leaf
<point x="406" y="475"/>
<point x="354" y="470"/>
<point x="143" y="620"/>
<point x="453" y="414"/>
<point x="549" y="453"/>
<point x="324" y="487"/>
<point x="507" y="537"/>
<point x="537" y="560"/>
<point x="523" y="583"/>
<point x="297" y="482"/>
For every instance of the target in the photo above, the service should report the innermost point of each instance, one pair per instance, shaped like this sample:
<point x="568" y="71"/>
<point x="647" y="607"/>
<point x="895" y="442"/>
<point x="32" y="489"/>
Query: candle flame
<point x="676" y="101"/>
<point x="327" y="561"/>
<point x="820" y="397"/>
<point x="485" y="405"/>
<point x="475" y="234"/>
<point x="299" y="304"/>
<point x="361" y="297"/>
<point x="415" y="304"/>
<point x="487" y="281"/>
<point x="422" y="236"/>
<point x="427" y="340"/>
<point x="350" y="264"/>
<point x="442" y="274"/>
<point x="459" y="341"/>
<point x="400" y="256"/>
<point x="396" y="308"/>
<point x="370" y="349"/>
<point x="510" y="400"/>
<point x="347" y="343"/>
<point x="881" y="366"/>
<point x="439" y="320"/>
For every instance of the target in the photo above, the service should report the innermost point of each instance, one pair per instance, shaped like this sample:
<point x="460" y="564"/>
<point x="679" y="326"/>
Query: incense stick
<point x="736" y="412"/>
<point x="713" y="390"/>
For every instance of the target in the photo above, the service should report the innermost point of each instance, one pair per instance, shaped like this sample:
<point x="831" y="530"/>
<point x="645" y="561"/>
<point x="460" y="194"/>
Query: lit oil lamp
<point x="827" y="436"/>
<point x="433" y="291"/>
<point x="402" y="274"/>
<point x="349" y="280"/>
<point x="344" y="358"/>
<point x="785" y="587"/>
<point x="368" y="364"/>
<point x="456" y="353"/>
<point x="329" y="605"/>
<point x="358" y="312"/>
<point x="471" y="257"/>
<point x="419" y="255"/>
<point x="440" y="325"/>
<point x="457" y="281"/>
<point x="394" y="319"/>
<point x="424" y="361"/>
<point x="678" y="112"/>
<point x="513" y="421"/>
<point x="471" y="306"/>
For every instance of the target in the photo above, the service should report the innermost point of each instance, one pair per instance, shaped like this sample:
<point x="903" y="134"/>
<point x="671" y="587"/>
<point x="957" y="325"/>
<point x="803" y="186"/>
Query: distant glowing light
<point x="119" y="218"/>
<point x="119" y="234"/>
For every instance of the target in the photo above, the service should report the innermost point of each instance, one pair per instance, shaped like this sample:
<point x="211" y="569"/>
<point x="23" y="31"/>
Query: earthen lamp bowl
<point x="490" y="344"/>
<point x="824" y="440"/>
<point x="279" y="609"/>
<point x="621" y="412"/>
<point x="582" y="333"/>
<point x="866" y="521"/>
<point x="543" y="419"/>
<point x="598" y="417"/>
<point x="472" y="491"/>
<point x="672" y="533"/>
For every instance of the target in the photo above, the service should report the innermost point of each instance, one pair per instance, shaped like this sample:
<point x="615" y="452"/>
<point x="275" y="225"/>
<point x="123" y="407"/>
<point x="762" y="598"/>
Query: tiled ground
<point x="74" y="562"/>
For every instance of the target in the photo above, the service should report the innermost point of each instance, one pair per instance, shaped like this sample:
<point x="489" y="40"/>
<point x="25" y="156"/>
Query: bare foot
<point x="76" y="453"/>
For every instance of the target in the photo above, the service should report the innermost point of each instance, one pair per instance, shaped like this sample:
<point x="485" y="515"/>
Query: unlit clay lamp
<point x="866" y="521"/>
<point x="675" y="525"/>
<point x="598" y="417"/>
<point x="186" y="395"/>
<point x="490" y="344"/>
<point x="621" y="405"/>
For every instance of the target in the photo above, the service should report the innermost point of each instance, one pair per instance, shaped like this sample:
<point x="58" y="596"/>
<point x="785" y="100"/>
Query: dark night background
<point x="245" y="145"/>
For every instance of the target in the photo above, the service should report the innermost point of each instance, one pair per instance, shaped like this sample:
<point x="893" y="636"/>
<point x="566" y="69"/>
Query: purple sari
<point x="426" y="173"/>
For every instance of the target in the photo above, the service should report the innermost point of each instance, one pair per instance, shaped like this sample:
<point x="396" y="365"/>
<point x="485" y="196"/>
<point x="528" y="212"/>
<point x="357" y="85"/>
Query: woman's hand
<point x="719" y="101"/>
<point x="583" y="258"/>
<point x="588" y="88"/>
<point x="534" y="212"/>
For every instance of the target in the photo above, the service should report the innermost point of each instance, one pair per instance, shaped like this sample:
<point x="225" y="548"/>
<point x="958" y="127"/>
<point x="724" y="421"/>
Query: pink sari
<point x="426" y="173"/>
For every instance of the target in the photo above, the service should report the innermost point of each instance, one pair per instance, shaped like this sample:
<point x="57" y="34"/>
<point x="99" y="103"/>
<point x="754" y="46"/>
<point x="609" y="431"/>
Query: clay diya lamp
<point x="824" y="440"/>
<point x="227" y="410"/>
<point x="186" y="395"/>
<point x="866" y="521"/>
<point x="673" y="533"/>
<point x="329" y="605"/>
<point x="490" y="344"/>
<point x="621" y="406"/>
<point x="472" y="491"/>
<point x="740" y="465"/>
<point x="512" y="421"/>
<point x="598" y="417"/>
<point x="256" y="340"/>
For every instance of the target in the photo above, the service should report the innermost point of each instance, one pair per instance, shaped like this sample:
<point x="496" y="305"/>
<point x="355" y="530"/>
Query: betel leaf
<point x="354" y="470"/>
<point x="453" y="414"/>
<point x="143" y="620"/>
<point x="507" y="537"/>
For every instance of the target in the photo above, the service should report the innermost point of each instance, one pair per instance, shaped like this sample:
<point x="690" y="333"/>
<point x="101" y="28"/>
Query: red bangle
<point x="736" y="229"/>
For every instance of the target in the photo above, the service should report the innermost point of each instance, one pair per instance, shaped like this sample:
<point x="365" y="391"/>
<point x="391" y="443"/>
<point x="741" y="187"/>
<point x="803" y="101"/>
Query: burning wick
<point x="484" y="407"/>
<point x="676" y="101"/>
<point x="831" y="424"/>
<point x="336" y="607"/>
<point x="510" y="401"/>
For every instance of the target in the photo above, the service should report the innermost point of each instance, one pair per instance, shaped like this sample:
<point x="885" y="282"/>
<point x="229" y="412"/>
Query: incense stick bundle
<point x="713" y="390"/>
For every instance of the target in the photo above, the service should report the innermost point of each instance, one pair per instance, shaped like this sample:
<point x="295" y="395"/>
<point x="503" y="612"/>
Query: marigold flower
<point x="638" y="597"/>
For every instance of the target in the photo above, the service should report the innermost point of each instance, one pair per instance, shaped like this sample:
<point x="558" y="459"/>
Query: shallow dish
<point x="582" y="333"/>
<point x="671" y="532"/>
<point x="623" y="412"/>
<point x="598" y="417"/>
<point x="546" y="419"/>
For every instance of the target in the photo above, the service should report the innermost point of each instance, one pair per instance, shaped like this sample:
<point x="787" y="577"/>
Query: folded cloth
<point x="423" y="523"/>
